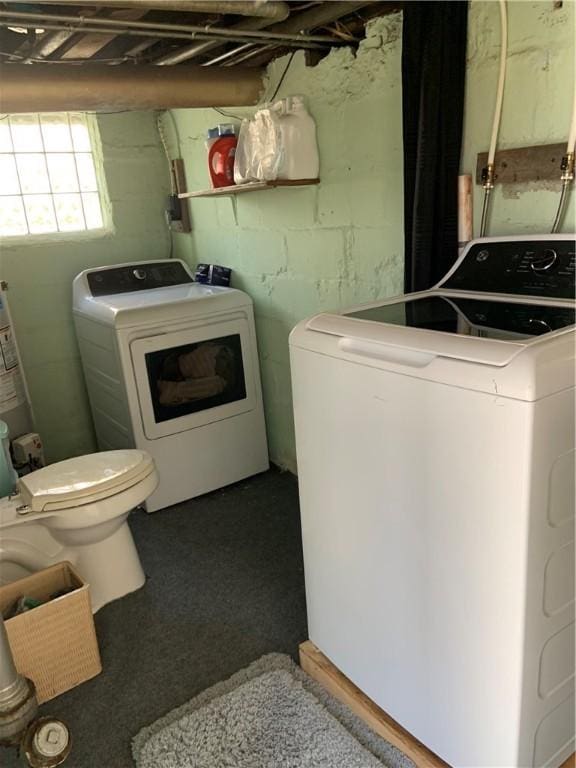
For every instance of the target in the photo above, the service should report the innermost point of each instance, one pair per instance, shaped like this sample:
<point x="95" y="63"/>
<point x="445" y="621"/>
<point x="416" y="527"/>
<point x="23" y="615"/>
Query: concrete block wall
<point x="40" y="269"/>
<point x="300" y="251"/>
<point x="537" y="108"/>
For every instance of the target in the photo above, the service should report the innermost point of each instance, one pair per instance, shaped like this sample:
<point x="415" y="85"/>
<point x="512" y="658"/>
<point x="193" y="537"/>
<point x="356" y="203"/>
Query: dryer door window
<point x="187" y="379"/>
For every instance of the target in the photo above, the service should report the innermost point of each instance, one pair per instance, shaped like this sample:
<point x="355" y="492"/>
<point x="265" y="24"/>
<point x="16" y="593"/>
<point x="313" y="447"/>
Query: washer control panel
<point x="523" y="267"/>
<point x="137" y="277"/>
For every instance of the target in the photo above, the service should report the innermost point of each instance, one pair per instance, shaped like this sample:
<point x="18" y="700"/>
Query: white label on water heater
<point x="8" y="349"/>
<point x="11" y="385"/>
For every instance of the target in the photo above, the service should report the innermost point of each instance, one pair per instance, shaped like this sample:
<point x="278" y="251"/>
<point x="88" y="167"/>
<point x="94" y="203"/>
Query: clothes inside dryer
<point x="471" y="317"/>
<point x="194" y="377"/>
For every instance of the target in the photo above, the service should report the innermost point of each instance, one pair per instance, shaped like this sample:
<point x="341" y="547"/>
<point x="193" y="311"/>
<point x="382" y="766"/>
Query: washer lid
<point x="478" y="328"/>
<point x="480" y="316"/>
<point x="84" y="479"/>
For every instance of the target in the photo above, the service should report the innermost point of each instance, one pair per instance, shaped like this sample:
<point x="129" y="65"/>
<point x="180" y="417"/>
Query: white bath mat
<point x="270" y="715"/>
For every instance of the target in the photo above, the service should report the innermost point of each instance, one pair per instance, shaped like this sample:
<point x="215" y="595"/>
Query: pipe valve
<point x="567" y="167"/>
<point x="488" y="176"/>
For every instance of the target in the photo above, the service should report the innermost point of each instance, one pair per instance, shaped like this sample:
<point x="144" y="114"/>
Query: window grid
<point x="80" y="188"/>
<point x="20" y="181"/>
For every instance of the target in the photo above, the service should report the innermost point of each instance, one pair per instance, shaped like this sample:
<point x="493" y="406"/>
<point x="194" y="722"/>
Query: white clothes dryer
<point x="435" y="445"/>
<point x="171" y="367"/>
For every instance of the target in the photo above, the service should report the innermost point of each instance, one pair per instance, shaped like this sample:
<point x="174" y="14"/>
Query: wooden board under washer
<point x="525" y="164"/>
<point x="321" y="669"/>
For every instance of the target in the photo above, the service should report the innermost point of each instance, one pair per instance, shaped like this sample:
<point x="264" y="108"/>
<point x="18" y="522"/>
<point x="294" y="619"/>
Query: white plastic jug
<point x="298" y="140"/>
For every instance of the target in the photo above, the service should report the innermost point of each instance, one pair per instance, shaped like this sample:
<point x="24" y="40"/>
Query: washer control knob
<point x="139" y="274"/>
<point x="482" y="256"/>
<point x="544" y="261"/>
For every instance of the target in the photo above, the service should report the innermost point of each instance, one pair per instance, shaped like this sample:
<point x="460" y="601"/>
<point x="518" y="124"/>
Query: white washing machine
<point x="171" y="367"/>
<point x="435" y="443"/>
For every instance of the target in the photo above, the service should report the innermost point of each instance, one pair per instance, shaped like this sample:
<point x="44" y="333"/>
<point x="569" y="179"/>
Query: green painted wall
<point x="537" y="105"/>
<point x="299" y="251"/>
<point x="40" y="271"/>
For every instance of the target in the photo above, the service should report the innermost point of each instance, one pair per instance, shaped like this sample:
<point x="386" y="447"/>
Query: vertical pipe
<point x="18" y="703"/>
<point x="501" y="80"/>
<point x="8" y="674"/>
<point x="489" y="170"/>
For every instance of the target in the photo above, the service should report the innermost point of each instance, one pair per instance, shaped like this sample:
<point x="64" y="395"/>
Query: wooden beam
<point x="321" y="669"/>
<point x="525" y="164"/>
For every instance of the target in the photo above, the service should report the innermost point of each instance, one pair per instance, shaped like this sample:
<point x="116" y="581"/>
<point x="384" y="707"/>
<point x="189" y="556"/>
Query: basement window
<point x="48" y="179"/>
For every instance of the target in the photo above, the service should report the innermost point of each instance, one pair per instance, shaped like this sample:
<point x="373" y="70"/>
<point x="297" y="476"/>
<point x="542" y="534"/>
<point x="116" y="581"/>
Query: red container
<point x="221" y="161"/>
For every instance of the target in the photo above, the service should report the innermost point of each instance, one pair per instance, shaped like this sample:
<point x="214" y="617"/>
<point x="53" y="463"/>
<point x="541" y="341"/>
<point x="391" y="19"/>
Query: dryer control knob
<point x="544" y="261"/>
<point x="139" y="274"/>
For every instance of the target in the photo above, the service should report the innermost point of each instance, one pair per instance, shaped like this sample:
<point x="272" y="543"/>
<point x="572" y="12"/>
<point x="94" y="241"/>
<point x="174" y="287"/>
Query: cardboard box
<point x="55" y="644"/>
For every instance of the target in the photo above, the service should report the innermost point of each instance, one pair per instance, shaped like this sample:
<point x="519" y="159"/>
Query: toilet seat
<point x="84" y="480"/>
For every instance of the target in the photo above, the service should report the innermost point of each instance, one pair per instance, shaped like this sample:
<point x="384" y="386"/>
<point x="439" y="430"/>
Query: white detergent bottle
<point x="298" y="140"/>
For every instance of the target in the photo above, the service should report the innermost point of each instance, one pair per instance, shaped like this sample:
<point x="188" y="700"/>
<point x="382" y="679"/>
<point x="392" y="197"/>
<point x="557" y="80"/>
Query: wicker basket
<point x="54" y="644"/>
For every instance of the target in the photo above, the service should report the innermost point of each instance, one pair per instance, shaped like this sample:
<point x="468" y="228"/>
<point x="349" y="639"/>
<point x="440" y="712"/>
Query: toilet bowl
<point x="77" y="510"/>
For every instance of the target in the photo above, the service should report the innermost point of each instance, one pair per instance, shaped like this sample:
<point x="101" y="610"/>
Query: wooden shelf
<point x="251" y="186"/>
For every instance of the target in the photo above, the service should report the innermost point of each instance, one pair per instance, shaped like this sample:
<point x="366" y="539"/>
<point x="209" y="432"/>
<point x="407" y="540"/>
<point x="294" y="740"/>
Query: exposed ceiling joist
<point x="197" y="49"/>
<point x="88" y="45"/>
<point x="299" y="23"/>
<point x="167" y="29"/>
<point x="212" y="33"/>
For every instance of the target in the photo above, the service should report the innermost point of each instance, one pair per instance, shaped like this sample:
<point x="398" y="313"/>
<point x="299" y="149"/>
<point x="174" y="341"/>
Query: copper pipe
<point x="275" y="11"/>
<point x="45" y="88"/>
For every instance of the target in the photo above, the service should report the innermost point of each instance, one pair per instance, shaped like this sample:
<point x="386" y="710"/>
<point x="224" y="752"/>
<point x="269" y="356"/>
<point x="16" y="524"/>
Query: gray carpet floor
<point x="225" y="586"/>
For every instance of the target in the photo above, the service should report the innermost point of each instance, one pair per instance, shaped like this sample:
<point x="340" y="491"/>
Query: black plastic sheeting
<point x="433" y="79"/>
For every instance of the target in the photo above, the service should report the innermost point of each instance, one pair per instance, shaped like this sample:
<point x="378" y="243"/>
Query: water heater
<point x="15" y="407"/>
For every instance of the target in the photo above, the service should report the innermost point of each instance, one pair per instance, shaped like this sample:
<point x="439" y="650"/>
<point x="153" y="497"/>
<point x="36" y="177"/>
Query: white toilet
<point x="77" y="510"/>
